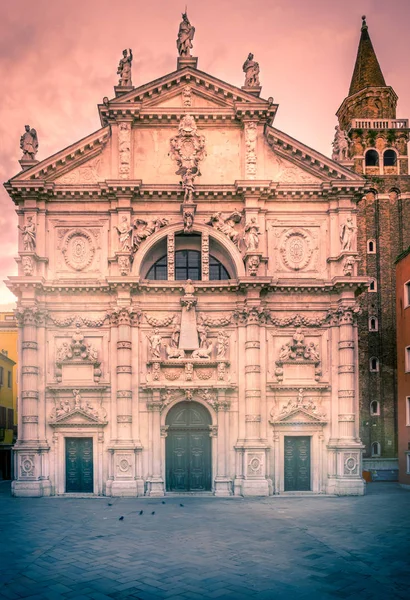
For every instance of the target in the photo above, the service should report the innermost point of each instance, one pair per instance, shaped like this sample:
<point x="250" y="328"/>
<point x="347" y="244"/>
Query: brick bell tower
<point x="377" y="148"/>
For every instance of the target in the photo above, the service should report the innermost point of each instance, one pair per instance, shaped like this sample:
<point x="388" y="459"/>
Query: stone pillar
<point x="223" y="483"/>
<point x="171" y="256"/>
<point x="155" y="483"/>
<point x="31" y="468"/>
<point x="205" y="256"/>
<point x="348" y="448"/>
<point x="255" y="482"/>
<point x="123" y="450"/>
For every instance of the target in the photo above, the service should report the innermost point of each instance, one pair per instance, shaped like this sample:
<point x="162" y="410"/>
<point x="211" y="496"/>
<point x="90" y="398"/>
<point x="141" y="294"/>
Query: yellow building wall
<point x="8" y="342"/>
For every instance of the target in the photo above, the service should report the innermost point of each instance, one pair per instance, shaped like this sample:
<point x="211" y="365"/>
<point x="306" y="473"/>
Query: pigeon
<point x="153" y="512"/>
<point x="109" y="504"/>
<point x="121" y="518"/>
<point x="181" y="505"/>
<point x="163" y="502"/>
<point x="141" y="511"/>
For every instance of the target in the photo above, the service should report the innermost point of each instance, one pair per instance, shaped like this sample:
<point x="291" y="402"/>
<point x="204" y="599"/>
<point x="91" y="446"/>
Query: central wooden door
<point x="297" y="463"/>
<point x="188" y="448"/>
<point x="79" y="465"/>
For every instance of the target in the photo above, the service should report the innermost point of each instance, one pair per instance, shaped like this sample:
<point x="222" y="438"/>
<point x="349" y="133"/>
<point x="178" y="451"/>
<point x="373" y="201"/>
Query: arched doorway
<point x="188" y="448"/>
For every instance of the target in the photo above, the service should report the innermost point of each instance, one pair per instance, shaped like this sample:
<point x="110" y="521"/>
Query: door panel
<point x="79" y="465"/>
<point x="297" y="463"/>
<point x="188" y="448"/>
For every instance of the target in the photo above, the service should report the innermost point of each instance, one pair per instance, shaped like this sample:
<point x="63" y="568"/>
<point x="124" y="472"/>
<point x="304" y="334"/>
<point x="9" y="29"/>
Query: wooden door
<point x="188" y="449"/>
<point x="297" y="463"/>
<point x="79" y="465"/>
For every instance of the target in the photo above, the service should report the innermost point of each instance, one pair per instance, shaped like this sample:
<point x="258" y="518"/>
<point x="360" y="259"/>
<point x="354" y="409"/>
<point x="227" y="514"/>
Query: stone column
<point x="123" y="450"/>
<point x="31" y="476"/>
<point x="349" y="449"/>
<point x="223" y="483"/>
<point x="155" y="481"/>
<point x="171" y="256"/>
<point x="255" y="482"/>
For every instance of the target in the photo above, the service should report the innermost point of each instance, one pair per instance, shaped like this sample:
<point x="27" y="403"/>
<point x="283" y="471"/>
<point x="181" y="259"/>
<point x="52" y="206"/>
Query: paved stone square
<point x="268" y="548"/>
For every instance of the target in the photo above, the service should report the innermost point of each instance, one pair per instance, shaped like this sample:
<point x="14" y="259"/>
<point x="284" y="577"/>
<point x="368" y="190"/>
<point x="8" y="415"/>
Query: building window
<point x="407" y="359"/>
<point x="9" y="379"/>
<point x="389" y="158"/>
<point x="10" y="418"/>
<point x="187" y="266"/>
<point x="374" y="408"/>
<point x="374" y="365"/>
<point x="371" y="247"/>
<point x="376" y="449"/>
<point x="373" y="324"/>
<point x="373" y="285"/>
<point x="3" y="422"/>
<point x="372" y="158"/>
<point x="408" y="463"/>
<point x="1" y="375"/>
<point x="408" y="411"/>
<point x="407" y="294"/>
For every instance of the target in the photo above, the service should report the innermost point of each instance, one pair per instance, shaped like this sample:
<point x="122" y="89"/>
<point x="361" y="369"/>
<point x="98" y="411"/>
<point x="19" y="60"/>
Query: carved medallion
<point x="296" y="249"/>
<point x="78" y="249"/>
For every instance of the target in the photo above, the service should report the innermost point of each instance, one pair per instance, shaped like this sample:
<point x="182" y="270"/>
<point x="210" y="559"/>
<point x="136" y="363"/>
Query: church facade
<point x="187" y="302"/>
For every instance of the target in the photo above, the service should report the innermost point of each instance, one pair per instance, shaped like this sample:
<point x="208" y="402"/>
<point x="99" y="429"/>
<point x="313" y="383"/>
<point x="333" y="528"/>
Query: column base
<point x="155" y="487"/>
<point x="31" y="489"/>
<point x="125" y="489"/>
<point x="223" y="486"/>
<point x="255" y="487"/>
<point x="347" y="487"/>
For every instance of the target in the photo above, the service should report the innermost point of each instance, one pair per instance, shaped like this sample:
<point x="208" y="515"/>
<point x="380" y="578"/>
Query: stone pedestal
<point x="121" y="90"/>
<point x="255" y="91"/>
<point x="27" y="163"/>
<point x="187" y="61"/>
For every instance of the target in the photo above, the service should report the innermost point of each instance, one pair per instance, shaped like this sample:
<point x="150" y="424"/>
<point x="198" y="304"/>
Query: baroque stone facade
<point x="187" y="320"/>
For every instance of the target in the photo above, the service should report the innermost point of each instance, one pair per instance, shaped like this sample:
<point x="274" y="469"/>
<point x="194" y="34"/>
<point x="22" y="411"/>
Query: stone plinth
<point x="187" y="61"/>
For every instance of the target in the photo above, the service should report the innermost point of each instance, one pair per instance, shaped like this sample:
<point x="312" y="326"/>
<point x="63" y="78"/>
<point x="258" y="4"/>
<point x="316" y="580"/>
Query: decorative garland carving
<point x="165" y="322"/>
<point x="78" y="320"/>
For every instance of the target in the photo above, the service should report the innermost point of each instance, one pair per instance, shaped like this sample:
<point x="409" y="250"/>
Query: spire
<point x="367" y="71"/>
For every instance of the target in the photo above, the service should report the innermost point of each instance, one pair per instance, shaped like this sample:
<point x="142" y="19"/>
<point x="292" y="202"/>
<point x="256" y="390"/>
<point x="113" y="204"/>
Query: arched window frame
<point x="371" y="152"/>
<point x="376" y="449"/>
<point x="374" y="408"/>
<point x="391" y="154"/>
<point x="373" y="324"/>
<point x="214" y="264"/>
<point x="374" y="364"/>
<point x="407" y="359"/>
<point x="371" y="246"/>
<point x="407" y="294"/>
<point x="372" y="285"/>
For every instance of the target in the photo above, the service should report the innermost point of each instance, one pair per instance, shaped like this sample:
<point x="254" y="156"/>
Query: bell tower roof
<point x="367" y="71"/>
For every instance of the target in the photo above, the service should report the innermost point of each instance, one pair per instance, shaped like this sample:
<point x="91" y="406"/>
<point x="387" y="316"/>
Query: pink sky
<point x="59" y="59"/>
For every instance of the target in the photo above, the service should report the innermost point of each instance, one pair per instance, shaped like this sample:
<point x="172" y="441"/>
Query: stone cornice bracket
<point x="113" y="111"/>
<point x="255" y="112"/>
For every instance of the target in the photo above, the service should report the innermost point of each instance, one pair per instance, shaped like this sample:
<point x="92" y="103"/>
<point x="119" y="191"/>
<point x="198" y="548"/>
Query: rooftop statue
<point x="124" y="69"/>
<point x="29" y="143"/>
<point x="185" y="36"/>
<point x="340" y="145"/>
<point x="251" y="70"/>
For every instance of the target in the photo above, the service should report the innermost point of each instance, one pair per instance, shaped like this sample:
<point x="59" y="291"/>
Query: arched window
<point x="373" y="324"/>
<point x="373" y="285"/>
<point x="187" y="266"/>
<point x="371" y="247"/>
<point x="376" y="449"/>
<point x="375" y="408"/>
<point x="372" y="158"/>
<point x="374" y="365"/>
<point x="389" y="158"/>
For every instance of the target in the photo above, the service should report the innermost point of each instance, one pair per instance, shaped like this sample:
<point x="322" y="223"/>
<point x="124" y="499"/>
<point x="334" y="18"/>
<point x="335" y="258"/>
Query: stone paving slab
<point x="259" y="548"/>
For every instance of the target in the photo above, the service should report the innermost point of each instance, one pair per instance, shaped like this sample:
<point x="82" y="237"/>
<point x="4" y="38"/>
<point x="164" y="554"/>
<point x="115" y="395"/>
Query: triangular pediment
<point x="300" y="416"/>
<point x="84" y="159"/>
<point x="291" y="161"/>
<point x="205" y="88"/>
<point x="77" y="417"/>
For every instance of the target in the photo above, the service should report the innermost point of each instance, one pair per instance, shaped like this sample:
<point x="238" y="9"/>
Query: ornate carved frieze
<point x="28" y="265"/>
<point x="124" y="150"/>
<point x="77" y="351"/>
<point x="161" y="322"/>
<point x="87" y="173"/>
<point x="78" y="321"/>
<point x="188" y="147"/>
<point x="30" y="419"/>
<point x="250" y="149"/>
<point x="124" y="316"/>
<point x="222" y="321"/>
<point x="298" y="351"/>
<point x="298" y="320"/>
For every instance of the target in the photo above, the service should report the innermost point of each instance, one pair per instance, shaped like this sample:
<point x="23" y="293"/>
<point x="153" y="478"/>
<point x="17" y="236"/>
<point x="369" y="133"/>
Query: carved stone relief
<point x="77" y="405"/>
<point x="27" y="465"/>
<point x="87" y="173"/>
<point x="351" y="464"/>
<point x="298" y="351"/>
<point x="188" y="147"/>
<point x="300" y="403"/>
<point x="226" y="224"/>
<point x="124" y="149"/>
<point x="78" y="249"/>
<point x="28" y="265"/>
<point x="250" y="149"/>
<point x="187" y="96"/>
<point x="77" y="351"/>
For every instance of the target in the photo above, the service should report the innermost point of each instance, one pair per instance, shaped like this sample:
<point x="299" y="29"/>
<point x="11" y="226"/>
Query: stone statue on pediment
<point x="124" y="69"/>
<point x="185" y="36"/>
<point x="29" y="143"/>
<point x="251" y="70"/>
<point x="29" y="235"/>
